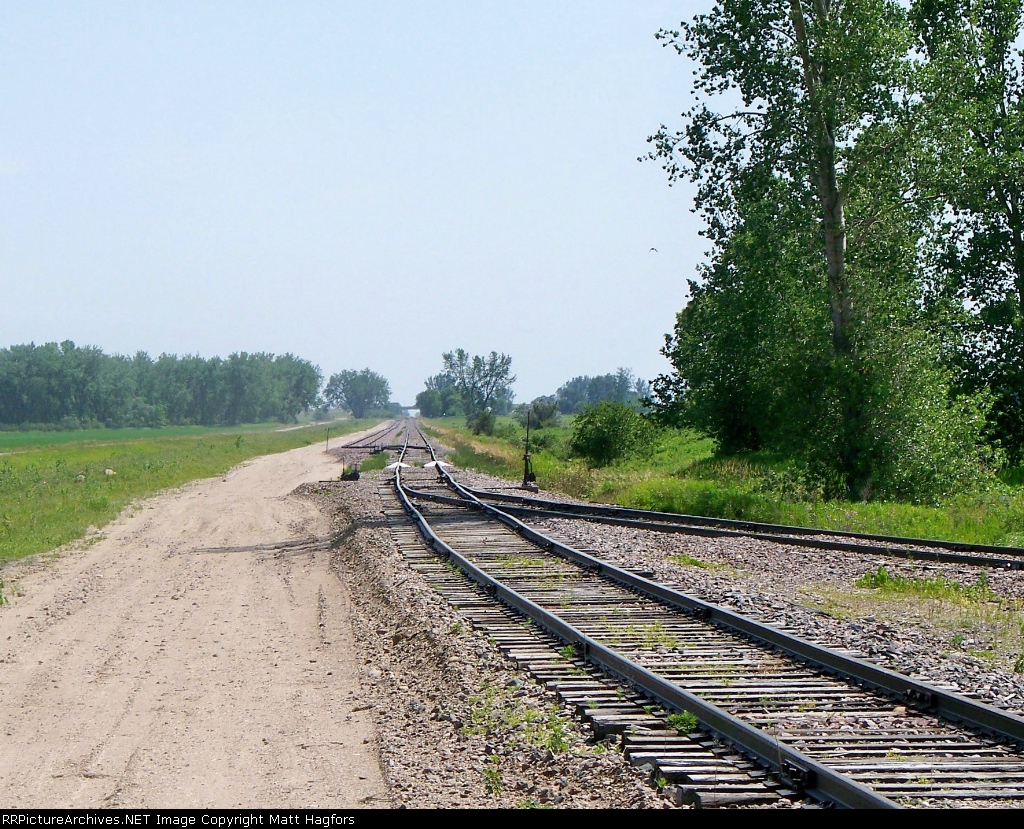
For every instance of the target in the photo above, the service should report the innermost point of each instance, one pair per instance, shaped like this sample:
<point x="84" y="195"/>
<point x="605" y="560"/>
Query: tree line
<point x="581" y="392"/>
<point x="858" y="169"/>
<point x="67" y="386"/>
<point x="582" y="395"/>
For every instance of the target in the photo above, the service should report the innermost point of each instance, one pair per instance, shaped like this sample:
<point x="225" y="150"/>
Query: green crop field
<point x="53" y="486"/>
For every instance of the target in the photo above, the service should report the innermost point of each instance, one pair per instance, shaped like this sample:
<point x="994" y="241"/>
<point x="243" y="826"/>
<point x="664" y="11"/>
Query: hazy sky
<point x="362" y="184"/>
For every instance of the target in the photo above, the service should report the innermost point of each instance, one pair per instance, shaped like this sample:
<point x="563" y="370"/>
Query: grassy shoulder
<point x="683" y="474"/>
<point x="52" y="491"/>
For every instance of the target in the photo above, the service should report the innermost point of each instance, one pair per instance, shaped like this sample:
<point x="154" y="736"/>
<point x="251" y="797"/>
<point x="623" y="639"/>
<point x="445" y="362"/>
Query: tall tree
<point x="481" y="380"/>
<point x="802" y="184"/>
<point x="484" y="384"/>
<point x="358" y="391"/>
<point x="814" y="77"/>
<point x="298" y="385"/>
<point x="973" y="88"/>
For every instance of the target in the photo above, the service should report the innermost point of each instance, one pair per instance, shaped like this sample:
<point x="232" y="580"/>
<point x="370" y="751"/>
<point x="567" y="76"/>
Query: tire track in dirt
<point x="162" y="666"/>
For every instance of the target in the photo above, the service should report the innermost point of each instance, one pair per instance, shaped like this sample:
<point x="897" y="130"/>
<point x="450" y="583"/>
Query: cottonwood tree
<point x="358" y="391"/>
<point x="973" y="89"/>
<point x="484" y="383"/>
<point x="800" y="330"/>
<point x="814" y="78"/>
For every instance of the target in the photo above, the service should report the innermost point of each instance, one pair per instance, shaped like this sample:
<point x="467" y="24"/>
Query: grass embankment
<point x="53" y="486"/>
<point x="684" y="475"/>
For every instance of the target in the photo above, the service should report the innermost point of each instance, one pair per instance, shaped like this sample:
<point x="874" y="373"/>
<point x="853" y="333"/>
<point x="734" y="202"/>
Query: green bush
<point x="507" y="431"/>
<point x="543" y="412"/>
<point x="482" y="423"/>
<point x="546" y="440"/>
<point x="609" y="432"/>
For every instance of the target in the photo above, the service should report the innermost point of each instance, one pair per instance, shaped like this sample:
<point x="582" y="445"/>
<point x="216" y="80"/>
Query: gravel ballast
<point x="968" y="645"/>
<point x="449" y="708"/>
<point x="431" y="758"/>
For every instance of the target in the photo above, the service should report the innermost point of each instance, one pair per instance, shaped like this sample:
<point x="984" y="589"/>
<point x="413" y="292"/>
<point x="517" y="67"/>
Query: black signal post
<point x="528" y="477"/>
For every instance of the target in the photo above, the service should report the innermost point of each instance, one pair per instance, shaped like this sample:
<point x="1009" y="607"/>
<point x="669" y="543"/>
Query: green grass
<point x="496" y="711"/>
<point x="51" y="492"/>
<point x="974" y="617"/>
<point x="375" y="462"/>
<point x="683" y="474"/>
<point x="683" y="722"/>
<point x="684" y="560"/>
<point x="492" y="776"/>
<point x="653" y="635"/>
<point x="17" y="441"/>
<point x="938" y="587"/>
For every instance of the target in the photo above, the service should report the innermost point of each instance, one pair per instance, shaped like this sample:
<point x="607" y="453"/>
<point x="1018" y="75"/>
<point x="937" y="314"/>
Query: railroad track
<point x="824" y="723"/>
<point x="382" y="438"/>
<point x="703" y="771"/>
<point x="933" y="550"/>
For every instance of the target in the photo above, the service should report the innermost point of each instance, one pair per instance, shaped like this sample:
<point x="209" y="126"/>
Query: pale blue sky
<point x="360" y="184"/>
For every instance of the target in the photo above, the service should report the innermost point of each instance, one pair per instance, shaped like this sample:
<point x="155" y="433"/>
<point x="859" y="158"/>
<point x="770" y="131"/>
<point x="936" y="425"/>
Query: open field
<point x="684" y="475"/>
<point x="53" y="490"/>
<point x="16" y="441"/>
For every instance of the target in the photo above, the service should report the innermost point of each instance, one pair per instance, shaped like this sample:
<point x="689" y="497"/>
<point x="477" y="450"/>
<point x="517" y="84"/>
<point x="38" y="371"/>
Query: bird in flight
<point x="654" y="249"/>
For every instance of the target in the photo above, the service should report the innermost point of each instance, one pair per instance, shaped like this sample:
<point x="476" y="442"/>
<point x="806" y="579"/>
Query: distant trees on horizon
<point x="70" y="387"/>
<point x="473" y="385"/>
<point x="621" y="387"/>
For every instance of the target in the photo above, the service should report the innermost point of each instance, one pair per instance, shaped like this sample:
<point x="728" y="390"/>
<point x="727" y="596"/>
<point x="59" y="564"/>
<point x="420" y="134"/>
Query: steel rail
<point x="663" y="521"/>
<point x="921" y="695"/>
<point x="796" y="768"/>
<point x="938" y="556"/>
<point x="369" y="441"/>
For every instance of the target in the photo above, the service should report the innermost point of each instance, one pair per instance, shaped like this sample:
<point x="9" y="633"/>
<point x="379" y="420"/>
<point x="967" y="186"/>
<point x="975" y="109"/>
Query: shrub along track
<point x="876" y="739"/>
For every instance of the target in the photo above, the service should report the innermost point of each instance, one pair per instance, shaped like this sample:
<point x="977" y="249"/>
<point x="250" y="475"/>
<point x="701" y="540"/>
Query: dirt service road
<point x="164" y="666"/>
